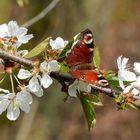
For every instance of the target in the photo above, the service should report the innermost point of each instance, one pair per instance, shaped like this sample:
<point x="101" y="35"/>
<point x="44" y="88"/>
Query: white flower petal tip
<point x="78" y="86"/>
<point x="53" y="66"/>
<point x="34" y="84"/>
<point x="44" y="66"/>
<point x="137" y="67"/>
<point x="59" y="43"/>
<point x="72" y="90"/>
<point x="122" y="62"/>
<point x="13" y="112"/>
<point x="46" y="81"/>
<point x="24" y="74"/>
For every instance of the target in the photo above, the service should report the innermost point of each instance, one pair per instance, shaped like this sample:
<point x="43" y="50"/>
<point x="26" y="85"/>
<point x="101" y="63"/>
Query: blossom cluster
<point x="129" y="81"/>
<point x="11" y="38"/>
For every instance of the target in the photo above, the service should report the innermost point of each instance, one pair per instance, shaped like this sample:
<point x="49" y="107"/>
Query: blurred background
<point x="116" y="28"/>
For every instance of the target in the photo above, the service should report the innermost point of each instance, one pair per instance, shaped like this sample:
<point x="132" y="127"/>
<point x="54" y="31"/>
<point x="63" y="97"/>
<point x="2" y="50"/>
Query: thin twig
<point x="42" y="14"/>
<point x="58" y="76"/>
<point x="20" y="60"/>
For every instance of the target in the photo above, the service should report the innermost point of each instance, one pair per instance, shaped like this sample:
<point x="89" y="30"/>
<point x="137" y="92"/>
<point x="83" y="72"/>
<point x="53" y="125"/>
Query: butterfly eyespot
<point x="88" y="38"/>
<point x="103" y="83"/>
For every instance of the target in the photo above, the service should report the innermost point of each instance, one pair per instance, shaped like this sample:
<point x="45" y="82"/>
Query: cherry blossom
<point x="123" y="73"/>
<point x="59" y="43"/>
<point x="78" y="86"/>
<point x="13" y="103"/>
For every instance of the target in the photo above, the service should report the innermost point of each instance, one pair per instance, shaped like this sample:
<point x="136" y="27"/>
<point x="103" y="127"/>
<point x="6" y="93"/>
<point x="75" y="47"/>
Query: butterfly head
<point x="87" y="37"/>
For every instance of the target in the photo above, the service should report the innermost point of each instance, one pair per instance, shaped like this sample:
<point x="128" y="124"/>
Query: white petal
<point x="25" y="39"/>
<point x="24" y="74"/>
<point x="24" y="106"/>
<point x="127" y="76"/>
<point x="43" y="66"/>
<point x="59" y="43"/>
<point x="12" y="27"/>
<point x="137" y="67"/>
<point x="22" y="101"/>
<point x="127" y="89"/>
<point x="135" y="91"/>
<point x="34" y="84"/>
<point x="124" y="62"/>
<point x="53" y="66"/>
<point x="82" y="86"/>
<point x="3" y="105"/>
<point x="21" y="31"/>
<point x="72" y="90"/>
<point x="121" y="84"/>
<point x="13" y="112"/>
<point x="46" y="81"/>
<point x="39" y="93"/>
<point x="3" y="30"/>
<point x="119" y="63"/>
<point x="24" y="95"/>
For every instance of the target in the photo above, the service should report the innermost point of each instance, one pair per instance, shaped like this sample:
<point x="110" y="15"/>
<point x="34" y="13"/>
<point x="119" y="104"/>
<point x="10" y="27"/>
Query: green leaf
<point x="66" y="49"/>
<point x="39" y="48"/>
<point x="89" y="112"/>
<point x="93" y="98"/>
<point x="63" y="67"/>
<point x="97" y="59"/>
<point x="1" y="80"/>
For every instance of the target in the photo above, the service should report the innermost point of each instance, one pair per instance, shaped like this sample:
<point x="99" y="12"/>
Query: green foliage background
<point x="115" y="25"/>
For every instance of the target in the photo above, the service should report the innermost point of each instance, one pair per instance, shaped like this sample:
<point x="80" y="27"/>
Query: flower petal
<point x="34" y="84"/>
<point x="3" y="105"/>
<point x="137" y="67"/>
<point x="53" y="66"/>
<point x="127" y="76"/>
<point x="46" y="81"/>
<point x="43" y="66"/>
<point x="24" y="74"/>
<point x="39" y="93"/>
<point x="13" y="112"/>
<point x="59" y="43"/>
<point x="3" y="30"/>
<point x="82" y="86"/>
<point x="72" y="90"/>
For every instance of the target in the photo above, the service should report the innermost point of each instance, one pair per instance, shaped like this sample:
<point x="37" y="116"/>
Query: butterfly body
<point x="80" y="60"/>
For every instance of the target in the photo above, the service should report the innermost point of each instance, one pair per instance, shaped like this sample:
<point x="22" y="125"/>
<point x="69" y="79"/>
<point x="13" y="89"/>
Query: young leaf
<point x="63" y="67"/>
<point x="97" y="59"/>
<point x="66" y="49"/>
<point x="89" y="112"/>
<point x="93" y="98"/>
<point x="39" y="48"/>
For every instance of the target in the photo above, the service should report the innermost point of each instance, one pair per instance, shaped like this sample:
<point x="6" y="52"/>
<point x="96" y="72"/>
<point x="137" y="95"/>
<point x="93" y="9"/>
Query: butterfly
<point x="80" y="60"/>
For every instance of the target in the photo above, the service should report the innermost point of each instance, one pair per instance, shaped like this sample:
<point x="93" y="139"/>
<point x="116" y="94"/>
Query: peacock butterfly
<point x="80" y="60"/>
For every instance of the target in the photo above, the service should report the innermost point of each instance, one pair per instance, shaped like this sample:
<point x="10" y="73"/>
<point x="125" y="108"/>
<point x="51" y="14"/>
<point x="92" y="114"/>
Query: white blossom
<point x="123" y="73"/>
<point x="59" y="43"/>
<point x="78" y="86"/>
<point x="12" y="30"/>
<point x="14" y="102"/>
<point x="37" y="81"/>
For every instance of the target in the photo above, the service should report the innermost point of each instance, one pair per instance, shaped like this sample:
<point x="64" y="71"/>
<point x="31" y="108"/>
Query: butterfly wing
<point x="89" y="76"/>
<point x="82" y="51"/>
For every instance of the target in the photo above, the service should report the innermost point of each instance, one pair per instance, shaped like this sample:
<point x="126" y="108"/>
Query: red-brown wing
<point x="82" y="51"/>
<point x="80" y="54"/>
<point x="89" y="76"/>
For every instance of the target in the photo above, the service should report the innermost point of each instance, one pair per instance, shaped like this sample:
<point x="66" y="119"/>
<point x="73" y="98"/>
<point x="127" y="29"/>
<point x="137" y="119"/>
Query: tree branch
<point x="20" y="60"/>
<point x="56" y="75"/>
<point x="42" y="14"/>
